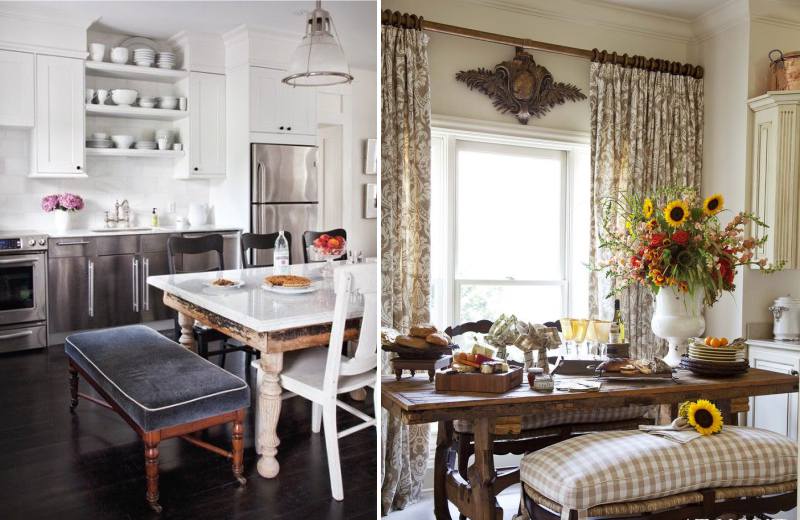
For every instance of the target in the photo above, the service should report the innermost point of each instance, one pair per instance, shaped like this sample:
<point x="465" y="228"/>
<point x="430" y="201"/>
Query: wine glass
<point x="568" y="333"/>
<point x="597" y="333"/>
<point x="579" y="328"/>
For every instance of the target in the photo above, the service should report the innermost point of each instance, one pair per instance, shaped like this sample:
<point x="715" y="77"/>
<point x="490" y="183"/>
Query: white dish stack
<point x="144" y="57"/>
<point x="145" y="145"/>
<point x="166" y="60"/>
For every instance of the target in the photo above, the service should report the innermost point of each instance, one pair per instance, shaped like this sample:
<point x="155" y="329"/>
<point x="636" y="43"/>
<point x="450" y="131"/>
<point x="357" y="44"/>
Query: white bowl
<point x="122" y="141"/>
<point x="119" y="55"/>
<point x="123" y="96"/>
<point x="168" y="103"/>
<point x="147" y="104"/>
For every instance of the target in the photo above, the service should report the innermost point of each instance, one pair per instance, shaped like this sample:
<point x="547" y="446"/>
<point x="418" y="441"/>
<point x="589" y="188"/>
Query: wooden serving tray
<point x="488" y="383"/>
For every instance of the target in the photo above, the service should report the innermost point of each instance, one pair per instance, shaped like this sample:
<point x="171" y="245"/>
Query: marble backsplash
<point x="146" y="183"/>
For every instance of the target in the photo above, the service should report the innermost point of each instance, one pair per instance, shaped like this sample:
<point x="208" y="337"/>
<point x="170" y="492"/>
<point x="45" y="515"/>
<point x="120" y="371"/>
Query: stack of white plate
<point x="145" y="145"/>
<point x="725" y="354"/>
<point x="147" y="102"/>
<point x="99" y="143"/>
<point x="166" y="60"/>
<point x="144" y="57"/>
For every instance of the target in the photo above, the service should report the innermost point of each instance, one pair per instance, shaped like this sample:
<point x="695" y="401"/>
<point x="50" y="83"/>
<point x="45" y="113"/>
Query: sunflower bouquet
<point x="673" y="239"/>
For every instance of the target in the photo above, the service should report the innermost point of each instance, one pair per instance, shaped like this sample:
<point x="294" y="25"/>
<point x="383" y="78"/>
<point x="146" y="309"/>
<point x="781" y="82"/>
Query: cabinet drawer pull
<point x="91" y="289"/>
<point x="78" y="167"/>
<point x="79" y="243"/>
<point x="289" y="128"/>
<point x="135" y="268"/>
<point x="17" y="335"/>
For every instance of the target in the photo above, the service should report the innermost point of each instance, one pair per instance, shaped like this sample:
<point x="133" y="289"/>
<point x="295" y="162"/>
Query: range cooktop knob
<point x="42" y="241"/>
<point x="31" y="242"/>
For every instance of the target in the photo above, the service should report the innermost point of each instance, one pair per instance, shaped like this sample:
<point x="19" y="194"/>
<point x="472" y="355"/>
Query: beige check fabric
<point x="545" y="420"/>
<point x="624" y="466"/>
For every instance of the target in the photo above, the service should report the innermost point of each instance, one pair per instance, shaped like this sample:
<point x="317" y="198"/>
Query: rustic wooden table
<point x="416" y="401"/>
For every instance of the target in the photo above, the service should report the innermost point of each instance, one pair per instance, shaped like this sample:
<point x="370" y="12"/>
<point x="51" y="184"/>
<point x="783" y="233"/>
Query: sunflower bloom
<point x="705" y="417"/>
<point x="647" y="208"/>
<point x="713" y="204"/>
<point x="676" y="213"/>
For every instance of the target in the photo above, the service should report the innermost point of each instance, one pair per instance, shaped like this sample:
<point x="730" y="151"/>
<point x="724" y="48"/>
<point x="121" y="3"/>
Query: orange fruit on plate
<point x="715" y="342"/>
<point x="708" y="341"/>
<point x="723" y="342"/>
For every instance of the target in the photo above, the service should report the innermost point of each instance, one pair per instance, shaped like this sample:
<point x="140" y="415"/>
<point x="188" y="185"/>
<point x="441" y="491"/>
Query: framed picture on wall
<point x="371" y="200"/>
<point x="371" y="158"/>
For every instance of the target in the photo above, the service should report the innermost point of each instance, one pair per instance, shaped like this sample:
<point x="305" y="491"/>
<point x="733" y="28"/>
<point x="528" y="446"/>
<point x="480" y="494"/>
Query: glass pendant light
<point x="319" y="59"/>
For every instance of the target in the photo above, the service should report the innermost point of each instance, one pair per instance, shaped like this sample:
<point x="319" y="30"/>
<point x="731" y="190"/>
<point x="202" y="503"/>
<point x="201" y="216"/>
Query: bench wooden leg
<point x="151" y="440"/>
<point x="238" y="448"/>
<point x="73" y="387"/>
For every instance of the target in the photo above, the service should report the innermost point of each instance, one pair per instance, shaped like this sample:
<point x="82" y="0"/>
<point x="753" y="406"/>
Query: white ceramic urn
<point x="63" y="220"/>
<point x="677" y="317"/>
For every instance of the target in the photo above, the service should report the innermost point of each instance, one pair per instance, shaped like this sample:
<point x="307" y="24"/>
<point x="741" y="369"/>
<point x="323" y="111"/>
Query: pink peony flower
<point x="70" y="202"/>
<point x="50" y="203"/>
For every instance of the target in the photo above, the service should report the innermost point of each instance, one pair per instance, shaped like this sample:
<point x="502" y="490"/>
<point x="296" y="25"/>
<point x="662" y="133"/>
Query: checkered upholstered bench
<point x="611" y="474"/>
<point x="161" y="389"/>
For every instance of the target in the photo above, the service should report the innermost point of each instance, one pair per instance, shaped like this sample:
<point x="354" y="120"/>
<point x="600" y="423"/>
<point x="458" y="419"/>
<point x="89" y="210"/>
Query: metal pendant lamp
<point x="319" y="60"/>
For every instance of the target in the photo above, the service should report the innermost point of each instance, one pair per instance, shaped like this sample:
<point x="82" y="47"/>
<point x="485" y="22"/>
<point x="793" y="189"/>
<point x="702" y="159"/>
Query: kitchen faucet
<point x="116" y="220"/>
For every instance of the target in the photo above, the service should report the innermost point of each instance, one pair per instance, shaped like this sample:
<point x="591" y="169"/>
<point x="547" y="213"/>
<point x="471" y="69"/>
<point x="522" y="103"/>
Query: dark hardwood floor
<point x="55" y="465"/>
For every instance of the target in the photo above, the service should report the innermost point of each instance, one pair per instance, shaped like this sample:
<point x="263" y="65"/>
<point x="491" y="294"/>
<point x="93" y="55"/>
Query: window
<point x="509" y="227"/>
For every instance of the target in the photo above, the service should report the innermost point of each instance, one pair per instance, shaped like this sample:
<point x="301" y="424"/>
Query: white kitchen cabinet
<point x="16" y="88"/>
<point x="277" y="108"/>
<point x="59" y="133"/>
<point x="206" y="125"/>
<point x="775" y="174"/>
<point x="777" y="413"/>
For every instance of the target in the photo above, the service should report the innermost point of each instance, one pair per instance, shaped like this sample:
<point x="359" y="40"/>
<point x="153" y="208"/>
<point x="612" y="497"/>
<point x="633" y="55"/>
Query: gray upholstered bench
<point x="161" y="389"/>
<point x="742" y="471"/>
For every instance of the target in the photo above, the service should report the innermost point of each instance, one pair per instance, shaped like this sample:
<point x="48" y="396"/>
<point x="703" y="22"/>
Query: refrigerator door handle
<point x="259" y="180"/>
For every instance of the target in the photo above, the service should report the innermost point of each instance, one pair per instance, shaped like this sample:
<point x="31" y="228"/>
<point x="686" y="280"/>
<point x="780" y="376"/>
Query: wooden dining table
<point x="266" y="321"/>
<point x="416" y="401"/>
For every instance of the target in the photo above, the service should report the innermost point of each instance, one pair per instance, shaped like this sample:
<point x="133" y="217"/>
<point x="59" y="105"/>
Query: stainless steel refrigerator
<point x="283" y="194"/>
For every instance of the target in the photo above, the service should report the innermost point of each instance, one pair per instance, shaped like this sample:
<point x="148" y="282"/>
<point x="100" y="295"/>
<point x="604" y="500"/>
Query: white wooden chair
<point x="321" y="374"/>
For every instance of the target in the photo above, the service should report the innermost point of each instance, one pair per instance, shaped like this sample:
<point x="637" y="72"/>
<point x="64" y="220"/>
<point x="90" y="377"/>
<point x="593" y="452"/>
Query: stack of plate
<point x="144" y="57"/>
<point x="166" y="60"/>
<point x="145" y="145"/>
<point x="147" y="102"/>
<point x="99" y="143"/>
<point x="701" y="352"/>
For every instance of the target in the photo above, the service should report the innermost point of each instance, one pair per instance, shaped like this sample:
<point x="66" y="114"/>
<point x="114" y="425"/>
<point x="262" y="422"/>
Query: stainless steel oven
<point x="23" y="291"/>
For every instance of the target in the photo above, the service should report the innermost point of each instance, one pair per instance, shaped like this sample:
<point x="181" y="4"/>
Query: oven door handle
<point x="17" y="335"/>
<point x="19" y="262"/>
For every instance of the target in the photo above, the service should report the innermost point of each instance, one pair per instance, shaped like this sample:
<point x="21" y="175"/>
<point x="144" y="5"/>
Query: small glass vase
<point x="63" y="220"/>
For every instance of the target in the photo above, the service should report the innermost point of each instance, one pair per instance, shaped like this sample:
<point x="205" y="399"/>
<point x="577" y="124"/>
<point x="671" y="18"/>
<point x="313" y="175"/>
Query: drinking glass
<point x="568" y="333"/>
<point x="597" y="333"/>
<point x="579" y="328"/>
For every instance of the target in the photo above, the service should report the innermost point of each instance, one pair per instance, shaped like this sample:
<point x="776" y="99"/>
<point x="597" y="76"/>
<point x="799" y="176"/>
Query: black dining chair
<point x="261" y="242"/>
<point x="204" y="245"/>
<point x="310" y="236"/>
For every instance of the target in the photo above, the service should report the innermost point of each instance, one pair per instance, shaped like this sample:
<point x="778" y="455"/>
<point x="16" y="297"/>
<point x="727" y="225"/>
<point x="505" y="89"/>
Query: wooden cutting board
<point x="488" y="383"/>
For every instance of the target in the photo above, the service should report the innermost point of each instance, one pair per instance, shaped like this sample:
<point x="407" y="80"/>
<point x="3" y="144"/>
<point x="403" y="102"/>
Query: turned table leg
<point x="269" y="410"/>
<point x="482" y="473"/>
<point x="73" y="387"/>
<point x="187" y="332"/>
<point x="444" y="445"/>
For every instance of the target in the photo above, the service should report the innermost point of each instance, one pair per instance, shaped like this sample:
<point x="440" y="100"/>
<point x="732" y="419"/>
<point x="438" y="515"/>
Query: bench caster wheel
<point x="155" y="506"/>
<point x="242" y="481"/>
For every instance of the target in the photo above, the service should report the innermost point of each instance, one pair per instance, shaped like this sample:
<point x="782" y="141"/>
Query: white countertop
<point x="254" y="307"/>
<point x="774" y="343"/>
<point x="150" y="231"/>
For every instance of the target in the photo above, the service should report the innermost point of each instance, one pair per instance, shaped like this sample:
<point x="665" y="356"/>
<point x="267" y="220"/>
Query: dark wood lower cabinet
<point x="68" y="289"/>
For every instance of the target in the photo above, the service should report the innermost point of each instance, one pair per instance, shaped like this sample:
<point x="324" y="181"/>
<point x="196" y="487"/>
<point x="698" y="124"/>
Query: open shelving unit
<point x="114" y="70"/>
<point x="133" y="152"/>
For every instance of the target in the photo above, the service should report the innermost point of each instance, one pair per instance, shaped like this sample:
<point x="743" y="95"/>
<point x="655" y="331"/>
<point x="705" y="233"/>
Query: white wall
<point x="145" y="182"/>
<point x="363" y="232"/>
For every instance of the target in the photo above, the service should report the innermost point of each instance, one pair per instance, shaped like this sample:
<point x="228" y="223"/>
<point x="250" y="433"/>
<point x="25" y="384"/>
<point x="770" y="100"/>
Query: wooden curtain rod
<point x="412" y="21"/>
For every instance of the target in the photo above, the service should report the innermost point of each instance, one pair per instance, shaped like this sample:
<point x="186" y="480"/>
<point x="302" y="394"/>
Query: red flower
<point x="681" y="237"/>
<point x="636" y="262"/>
<point x="726" y="271"/>
<point x="657" y="238"/>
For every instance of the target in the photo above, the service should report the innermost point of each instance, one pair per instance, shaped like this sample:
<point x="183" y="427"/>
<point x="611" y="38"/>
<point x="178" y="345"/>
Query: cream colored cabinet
<point x="206" y="125"/>
<point x="16" y="88"/>
<point x="775" y="174"/>
<point x="778" y="412"/>
<point x="59" y="133"/>
<point x="278" y="108"/>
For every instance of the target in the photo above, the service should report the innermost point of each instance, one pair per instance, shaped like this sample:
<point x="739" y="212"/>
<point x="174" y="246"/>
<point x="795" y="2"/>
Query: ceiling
<point x="686" y="9"/>
<point x="355" y="20"/>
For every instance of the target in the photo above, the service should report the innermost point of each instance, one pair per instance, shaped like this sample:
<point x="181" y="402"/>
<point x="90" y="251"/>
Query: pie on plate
<point x="288" y="280"/>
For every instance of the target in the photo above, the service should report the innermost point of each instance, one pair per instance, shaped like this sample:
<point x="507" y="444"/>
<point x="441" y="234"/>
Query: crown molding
<point x="720" y="19"/>
<point x="25" y="12"/>
<point x="600" y="14"/>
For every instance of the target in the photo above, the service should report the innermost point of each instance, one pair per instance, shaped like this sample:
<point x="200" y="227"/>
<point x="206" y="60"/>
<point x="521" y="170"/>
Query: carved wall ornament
<point x="521" y="87"/>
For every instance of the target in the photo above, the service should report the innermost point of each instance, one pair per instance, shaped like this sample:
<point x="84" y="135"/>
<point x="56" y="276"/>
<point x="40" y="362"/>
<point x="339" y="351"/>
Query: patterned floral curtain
<point x="405" y="237"/>
<point x="647" y="132"/>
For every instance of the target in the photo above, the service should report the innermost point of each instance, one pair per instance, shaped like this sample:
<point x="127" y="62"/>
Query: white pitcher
<point x="198" y="214"/>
